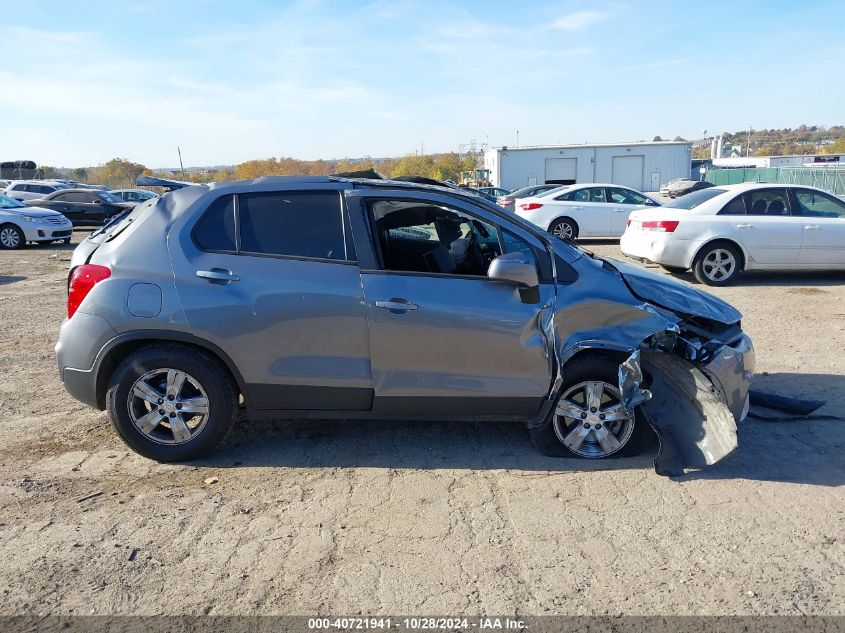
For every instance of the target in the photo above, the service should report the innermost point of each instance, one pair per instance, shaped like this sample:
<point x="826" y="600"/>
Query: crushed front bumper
<point x="694" y="409"/>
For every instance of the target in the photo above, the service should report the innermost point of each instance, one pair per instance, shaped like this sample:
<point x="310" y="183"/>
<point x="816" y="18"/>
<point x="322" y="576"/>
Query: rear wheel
<point x="589" y="420"/>
<point x="11" y="237"/>
<point x="717" y="264"/>
<point x="564" y="228"/>
<point x="170" y="403"/>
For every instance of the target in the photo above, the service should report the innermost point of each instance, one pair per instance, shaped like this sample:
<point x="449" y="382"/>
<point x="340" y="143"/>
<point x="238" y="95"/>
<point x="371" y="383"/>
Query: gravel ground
<point x="334" y="517"/>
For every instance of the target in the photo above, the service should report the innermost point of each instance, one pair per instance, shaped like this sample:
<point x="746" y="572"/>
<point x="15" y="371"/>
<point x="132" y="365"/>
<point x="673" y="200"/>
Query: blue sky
<point x="84" y="82"/>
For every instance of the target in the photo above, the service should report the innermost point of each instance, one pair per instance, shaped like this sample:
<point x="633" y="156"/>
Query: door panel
<point x="464" y="345"/>
<point x="823" y="218"/>
<point x="768" y="232"/>
<point x="769" y="240"/>
<point x="469" y="347"/>
<point x="296" y="329"/>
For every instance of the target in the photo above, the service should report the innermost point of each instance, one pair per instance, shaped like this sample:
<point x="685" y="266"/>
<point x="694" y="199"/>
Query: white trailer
<point x="641" y="166"/>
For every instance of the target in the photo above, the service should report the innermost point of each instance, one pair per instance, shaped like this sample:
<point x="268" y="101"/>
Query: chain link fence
<point x="830" y="179"/>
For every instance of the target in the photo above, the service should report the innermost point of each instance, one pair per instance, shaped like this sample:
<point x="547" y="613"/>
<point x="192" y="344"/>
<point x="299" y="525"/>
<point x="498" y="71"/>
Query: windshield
<point x="108" y="197"/>
<point x="692" y="200"/>
<point x="10" y="203"/>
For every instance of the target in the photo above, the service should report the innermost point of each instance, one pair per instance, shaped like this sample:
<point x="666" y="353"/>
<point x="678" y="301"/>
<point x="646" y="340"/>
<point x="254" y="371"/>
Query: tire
<point x="675" y="270"/>
<point x="564" y="227"/>
<point x="66" y="240"/>
<point x="174" y="436"/>
<point x="633" y="434"/>
<point x="11" y="237"/>
<point x="717" y="264"/>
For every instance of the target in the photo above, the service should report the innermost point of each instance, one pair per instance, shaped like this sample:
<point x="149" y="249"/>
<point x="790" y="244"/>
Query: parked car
<point x="721" y="231"/>
<point x="133" y="195"/>
<point x="334" y="297"/>
<point x="83" y="207"/>
<point x="20" y="224"/>
<point x="508" y="200"/>
<point x="4" y="184"/>
<point x="31" y="189"/>
<point x="587" y="210"/>
<point x="494" y="191"/>
<point x="683" y="186"/>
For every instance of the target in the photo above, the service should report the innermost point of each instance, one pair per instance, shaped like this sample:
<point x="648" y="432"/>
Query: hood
<point x="673" y="295"/>
<point x="35" y="212"/>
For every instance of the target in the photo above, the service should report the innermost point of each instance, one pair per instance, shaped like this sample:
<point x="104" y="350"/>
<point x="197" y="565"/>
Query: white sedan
<point x="593" y="210"/>
<point x="723" y="230"/>
<point x="20" y="224"/>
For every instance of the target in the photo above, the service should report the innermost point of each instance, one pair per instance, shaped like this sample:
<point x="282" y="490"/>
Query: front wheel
<point x="564" y="229"/>
<point x="589" y="420"/>
<point x="717" y="264"/>
<point x="11" y="237"/>
<point x="171" y="403"/>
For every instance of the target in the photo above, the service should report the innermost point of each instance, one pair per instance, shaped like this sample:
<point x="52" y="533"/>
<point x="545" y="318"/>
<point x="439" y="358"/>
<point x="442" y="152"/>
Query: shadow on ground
<point x="807" y="451"/>
<point x="10" y="279"/>
<point x="768" y="278"/>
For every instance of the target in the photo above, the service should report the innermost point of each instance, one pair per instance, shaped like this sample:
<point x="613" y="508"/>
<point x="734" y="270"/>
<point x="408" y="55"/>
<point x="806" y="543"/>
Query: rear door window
<point x="774" y="202"/>
<point x="292" y="223"/>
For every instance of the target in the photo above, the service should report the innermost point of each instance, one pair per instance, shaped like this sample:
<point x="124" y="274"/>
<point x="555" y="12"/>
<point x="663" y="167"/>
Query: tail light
<point x="627" y="222"/>
<point x="82" y="279"/>
<point x="664" y="226"/>
<point x="530" y="206"/>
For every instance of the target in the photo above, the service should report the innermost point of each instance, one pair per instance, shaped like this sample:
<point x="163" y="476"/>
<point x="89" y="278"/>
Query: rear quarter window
<point x="215" y="230"/>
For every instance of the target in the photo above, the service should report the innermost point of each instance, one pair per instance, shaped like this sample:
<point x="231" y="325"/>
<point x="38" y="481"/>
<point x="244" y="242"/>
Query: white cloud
<point x="579" y="20"/>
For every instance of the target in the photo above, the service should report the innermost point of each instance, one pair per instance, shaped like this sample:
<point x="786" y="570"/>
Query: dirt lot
<point x="311" y="517"/>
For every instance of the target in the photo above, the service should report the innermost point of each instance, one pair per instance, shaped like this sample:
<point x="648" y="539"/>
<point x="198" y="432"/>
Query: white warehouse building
<point x="641" y="166"/>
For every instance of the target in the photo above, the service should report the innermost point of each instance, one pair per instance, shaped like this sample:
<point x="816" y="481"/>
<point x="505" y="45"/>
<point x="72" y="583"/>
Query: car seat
<point x="759" y="207"/>
<point x="776" y="208"/>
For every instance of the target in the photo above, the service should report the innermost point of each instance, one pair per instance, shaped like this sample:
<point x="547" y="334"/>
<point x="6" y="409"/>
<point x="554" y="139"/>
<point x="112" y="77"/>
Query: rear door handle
<point x="397" y="306"/>
<point x="745" y="226"/>
<point x="811" y="227"/>
<point x="218" y="275"/>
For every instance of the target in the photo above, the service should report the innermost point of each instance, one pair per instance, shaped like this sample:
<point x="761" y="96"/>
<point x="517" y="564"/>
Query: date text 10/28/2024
<point x="416" y="623"/>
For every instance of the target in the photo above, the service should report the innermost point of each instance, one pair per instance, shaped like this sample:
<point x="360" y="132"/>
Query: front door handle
<point x="619" y="210"/>
<point x="218" y="275"/>
<point x="396" y="305"/>
<point x="811" y="227"/>
<point x="745" y="226"/>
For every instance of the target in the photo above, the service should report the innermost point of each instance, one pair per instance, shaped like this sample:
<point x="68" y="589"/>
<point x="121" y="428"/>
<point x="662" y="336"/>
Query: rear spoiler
<point x="152" y="181"/>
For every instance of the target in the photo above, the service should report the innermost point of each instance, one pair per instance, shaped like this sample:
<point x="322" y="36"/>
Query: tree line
<point x="121" y="172"/>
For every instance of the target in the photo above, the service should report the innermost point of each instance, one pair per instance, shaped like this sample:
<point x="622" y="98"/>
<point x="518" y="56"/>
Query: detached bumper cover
<point x="693" y="410"/>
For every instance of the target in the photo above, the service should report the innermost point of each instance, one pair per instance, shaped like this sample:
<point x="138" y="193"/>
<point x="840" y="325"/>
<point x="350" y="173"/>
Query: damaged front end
<point x="688" y="365"/>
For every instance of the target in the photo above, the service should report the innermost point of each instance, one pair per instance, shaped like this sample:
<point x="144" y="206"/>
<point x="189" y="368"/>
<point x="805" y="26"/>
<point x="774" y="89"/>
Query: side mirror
<point x="513" y="268"/>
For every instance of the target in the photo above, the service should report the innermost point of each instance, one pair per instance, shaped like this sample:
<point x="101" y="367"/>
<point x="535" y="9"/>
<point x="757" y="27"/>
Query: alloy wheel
<point x="591" y="420"/>
<point x="562" y="230"/>
<point x="168" y="406"/>
<point x="719" y="264"/>
<point x="9" y="237"/>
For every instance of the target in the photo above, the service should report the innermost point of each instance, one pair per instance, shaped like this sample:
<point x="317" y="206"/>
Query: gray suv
<point x="329" y="297"/>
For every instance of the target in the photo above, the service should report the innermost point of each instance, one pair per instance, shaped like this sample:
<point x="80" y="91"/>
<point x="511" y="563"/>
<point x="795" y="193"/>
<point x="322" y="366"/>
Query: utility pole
<point x="181" y="166"/>
<point x="748" y="143"/>
<point x="517" y="139"/>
